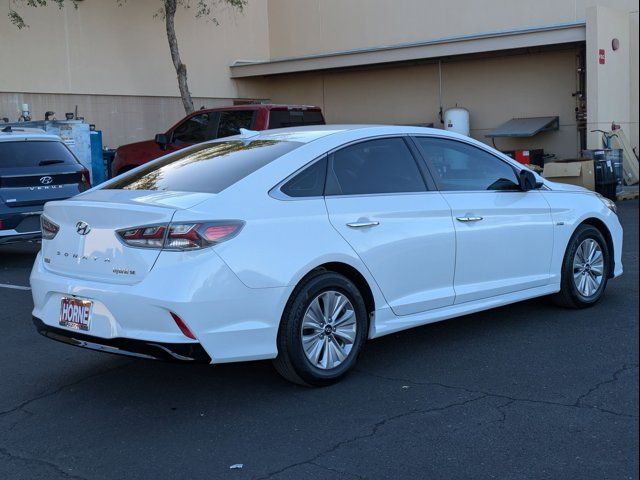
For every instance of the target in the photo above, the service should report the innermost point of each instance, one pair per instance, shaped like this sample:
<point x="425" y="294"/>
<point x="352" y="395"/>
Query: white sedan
<point x="300" y="244"/>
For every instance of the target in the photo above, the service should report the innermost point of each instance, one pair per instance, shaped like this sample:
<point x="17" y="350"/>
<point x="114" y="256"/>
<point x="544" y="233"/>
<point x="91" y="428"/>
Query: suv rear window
<point x="34" y="153"/>
<point x="205" y="168"/>
<point x="294" y="118"/>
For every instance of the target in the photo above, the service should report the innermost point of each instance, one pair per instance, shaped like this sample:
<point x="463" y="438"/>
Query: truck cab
<point x="209" y="124"/>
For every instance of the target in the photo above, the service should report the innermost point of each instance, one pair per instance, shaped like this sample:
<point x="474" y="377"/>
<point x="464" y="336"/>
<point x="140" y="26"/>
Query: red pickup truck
<point x="212" y="123"/>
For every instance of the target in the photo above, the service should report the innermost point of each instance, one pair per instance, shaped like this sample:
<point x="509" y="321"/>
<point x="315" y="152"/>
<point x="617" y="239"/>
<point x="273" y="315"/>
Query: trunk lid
<point x="24" y="186"/>
<point x="98" y="254"/>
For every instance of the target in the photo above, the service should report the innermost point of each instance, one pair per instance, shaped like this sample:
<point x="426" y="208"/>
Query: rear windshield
<point x="206" y="168"/>
<point x="294" y="118"/>
<point x="34" y="153"/>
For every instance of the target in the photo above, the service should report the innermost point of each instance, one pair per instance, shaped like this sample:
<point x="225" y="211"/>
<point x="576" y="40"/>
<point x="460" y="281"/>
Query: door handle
<point x="362" y="224"/>
<point x="468" y="219"/>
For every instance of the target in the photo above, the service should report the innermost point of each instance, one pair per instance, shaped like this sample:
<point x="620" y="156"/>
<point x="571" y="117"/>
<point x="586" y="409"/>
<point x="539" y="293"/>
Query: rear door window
<point x="384" y="165"/>
<point x="34" y="153"/>
<point x="233" y="120"/>
<point x="294" y="118"/>
<point x="207" y="168"/>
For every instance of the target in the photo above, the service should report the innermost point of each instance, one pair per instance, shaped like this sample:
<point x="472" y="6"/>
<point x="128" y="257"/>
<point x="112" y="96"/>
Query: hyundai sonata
<point x="300" y="244"/>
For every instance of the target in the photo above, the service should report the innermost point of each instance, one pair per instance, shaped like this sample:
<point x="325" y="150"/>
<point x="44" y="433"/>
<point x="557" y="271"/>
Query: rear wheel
<point x="585" y="269"/>
<point x="322" y="332"/>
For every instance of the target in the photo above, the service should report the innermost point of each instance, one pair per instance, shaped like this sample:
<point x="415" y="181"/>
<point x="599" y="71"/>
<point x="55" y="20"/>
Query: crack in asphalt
<point x="374" y="430"/>
<point x="613" y="379"/>
<point x="39" y="461"/>
<point x="579" y="403"/>
<point x="59" y="389"/>
<point x="341" y="473"/>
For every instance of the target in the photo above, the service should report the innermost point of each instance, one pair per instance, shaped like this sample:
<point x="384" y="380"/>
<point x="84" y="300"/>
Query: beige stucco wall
<point x="634" y="84"/>
<point x="307" y="27"/>
<point x="608" y="84"/>
<point x="105" y="58"/>
<point x="493" y="89"/>
<point x="303" y="27"/>
<point x="122" y="119"/>
<point x="100" y="48"/>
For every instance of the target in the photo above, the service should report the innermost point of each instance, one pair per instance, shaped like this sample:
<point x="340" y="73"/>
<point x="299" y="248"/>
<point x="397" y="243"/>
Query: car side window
<point x="233" y="120"/>
<point x="309" y="182"/>
<point x="193" y="130"/>
<point x="458" y="166"/>
<point x="384" y="165"/>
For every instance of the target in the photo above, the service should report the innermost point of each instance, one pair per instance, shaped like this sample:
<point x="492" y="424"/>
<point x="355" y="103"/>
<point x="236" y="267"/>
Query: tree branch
<point x="181" y="68"/>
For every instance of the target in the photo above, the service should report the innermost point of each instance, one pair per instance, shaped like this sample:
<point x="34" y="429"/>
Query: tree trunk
<point x="181" y="68"/>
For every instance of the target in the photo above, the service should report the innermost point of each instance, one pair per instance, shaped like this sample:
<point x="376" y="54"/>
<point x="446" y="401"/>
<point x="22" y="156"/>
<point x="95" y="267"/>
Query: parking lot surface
<point x="524" y="391"/>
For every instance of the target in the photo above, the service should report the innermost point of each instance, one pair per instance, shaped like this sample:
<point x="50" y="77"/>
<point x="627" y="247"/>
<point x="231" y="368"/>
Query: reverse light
<point x="49" y="229"/>
<point x="181" y="236"/>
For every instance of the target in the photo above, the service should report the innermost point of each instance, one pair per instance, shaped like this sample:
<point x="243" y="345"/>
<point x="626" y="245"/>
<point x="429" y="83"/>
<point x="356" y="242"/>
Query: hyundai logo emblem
<point x="82" y="228"/>
<point x="46" y="180"/>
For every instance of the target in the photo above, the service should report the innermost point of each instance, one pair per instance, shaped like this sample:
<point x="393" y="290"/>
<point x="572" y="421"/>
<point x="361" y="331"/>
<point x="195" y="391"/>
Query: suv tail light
<point x="181" y="236"/>
<point x="49" y="229"/>
<point x="85" y="181"/>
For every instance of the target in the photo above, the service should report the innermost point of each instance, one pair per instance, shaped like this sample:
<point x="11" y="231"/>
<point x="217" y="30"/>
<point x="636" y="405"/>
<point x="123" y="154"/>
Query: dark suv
<point x="34" y="168"/>
<point x="212" y="123"/>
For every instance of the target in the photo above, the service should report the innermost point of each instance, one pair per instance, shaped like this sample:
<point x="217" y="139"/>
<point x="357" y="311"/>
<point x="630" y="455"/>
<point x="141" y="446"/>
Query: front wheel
<point x="585" y="269"/>
<point x="322" y="332"/>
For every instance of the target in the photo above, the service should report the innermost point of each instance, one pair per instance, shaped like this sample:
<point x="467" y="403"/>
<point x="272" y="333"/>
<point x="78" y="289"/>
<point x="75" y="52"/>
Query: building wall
<point x="634" y="84"/>
<point x="122" y="119"/>
<point x="308" y="27"/>
<point x="494" y="90"/>
<point x="304" y="27"/>
<point x="114" y="63"/>
<point x="103" y="49"/>
<point x="608" y="83"/>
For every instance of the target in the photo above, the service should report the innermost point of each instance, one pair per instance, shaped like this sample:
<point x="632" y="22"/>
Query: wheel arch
<point x="349" y="271"/>
<point x="606" y="233"/>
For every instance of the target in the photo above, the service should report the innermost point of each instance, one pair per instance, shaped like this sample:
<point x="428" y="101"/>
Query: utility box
<point x="579" y="172"/>
<point x="98" y="169"/>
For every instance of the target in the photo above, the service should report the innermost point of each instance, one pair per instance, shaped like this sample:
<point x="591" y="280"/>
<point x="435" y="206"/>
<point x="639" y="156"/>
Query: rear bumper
<point x="230" y="321"/>
<point x="172" y="352"/>
<point x="20" y="226"/>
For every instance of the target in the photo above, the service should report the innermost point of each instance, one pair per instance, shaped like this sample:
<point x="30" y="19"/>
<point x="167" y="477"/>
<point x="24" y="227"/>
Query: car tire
<point x="580" y="285"/>
<point x="309" y="352"/>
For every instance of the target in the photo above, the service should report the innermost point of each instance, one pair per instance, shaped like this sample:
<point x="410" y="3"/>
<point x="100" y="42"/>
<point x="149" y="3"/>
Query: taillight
<point x="181" y="236"/>
<point x="49" y="229"/>
<point x="85" y="180"/>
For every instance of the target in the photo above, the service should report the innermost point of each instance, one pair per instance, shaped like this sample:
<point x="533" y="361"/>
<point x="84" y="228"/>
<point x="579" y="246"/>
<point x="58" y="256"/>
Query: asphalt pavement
<point x="520" y="392"/>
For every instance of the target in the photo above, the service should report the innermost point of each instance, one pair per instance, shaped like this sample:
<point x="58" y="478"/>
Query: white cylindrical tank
<point x="457" y="120"/>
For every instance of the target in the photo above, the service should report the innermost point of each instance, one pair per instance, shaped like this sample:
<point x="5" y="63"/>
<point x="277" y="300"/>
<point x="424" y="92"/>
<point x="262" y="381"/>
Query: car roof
<point x="261" y="106"/>
<point x="309" y="133"/>
<point x="17" y="134"/>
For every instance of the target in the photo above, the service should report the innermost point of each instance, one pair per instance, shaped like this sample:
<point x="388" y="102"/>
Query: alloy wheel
<point x="328" y="330"/>
<point x="588" y="267"/>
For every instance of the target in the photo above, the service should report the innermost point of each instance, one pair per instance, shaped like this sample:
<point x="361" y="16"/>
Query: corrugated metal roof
<point x="525" y="127"/>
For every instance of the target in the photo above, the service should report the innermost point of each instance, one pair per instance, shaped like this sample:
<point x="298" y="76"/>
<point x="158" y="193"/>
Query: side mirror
<point x="528" y="180"/>
<point x="162" y="139"/>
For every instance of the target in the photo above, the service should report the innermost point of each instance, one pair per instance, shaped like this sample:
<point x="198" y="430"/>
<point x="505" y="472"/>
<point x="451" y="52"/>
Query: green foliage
<point x="16" y="18"/>
<point x="201" y="8"/>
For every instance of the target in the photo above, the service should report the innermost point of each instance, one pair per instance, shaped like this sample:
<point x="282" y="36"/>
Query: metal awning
<point x="471" y="44"/>
<point x="525" y="127"/>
